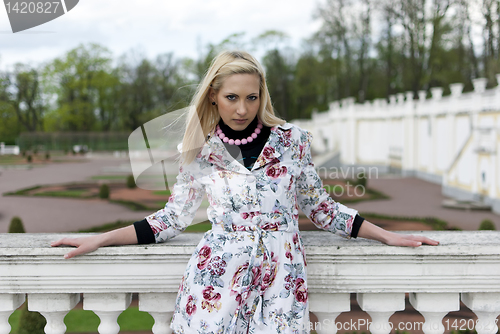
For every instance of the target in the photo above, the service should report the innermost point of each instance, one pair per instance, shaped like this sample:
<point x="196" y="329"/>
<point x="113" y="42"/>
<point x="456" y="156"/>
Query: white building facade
<point x="451" y="140"/>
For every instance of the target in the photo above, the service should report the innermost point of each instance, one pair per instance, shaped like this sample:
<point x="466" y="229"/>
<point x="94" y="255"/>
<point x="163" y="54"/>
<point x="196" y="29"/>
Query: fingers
<point x="430" y="241"/>
<point x="66" y="241"/>
<point x="75" y="242"/>
<point x="417" y="240"/>
<point x="423" y="240"/>
<point x="73" y="253"/>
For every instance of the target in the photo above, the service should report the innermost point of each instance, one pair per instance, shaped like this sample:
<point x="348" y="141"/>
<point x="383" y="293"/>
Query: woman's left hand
<point x="396" y="239"/>
<point x="371" y="231"/>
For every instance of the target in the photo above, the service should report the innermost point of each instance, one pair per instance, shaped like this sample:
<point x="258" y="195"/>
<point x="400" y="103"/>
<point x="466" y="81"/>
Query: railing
<point x="465" y="266"/>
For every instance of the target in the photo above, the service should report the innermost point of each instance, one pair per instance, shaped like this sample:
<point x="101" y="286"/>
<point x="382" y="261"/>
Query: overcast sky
<point x="155" y="27"/>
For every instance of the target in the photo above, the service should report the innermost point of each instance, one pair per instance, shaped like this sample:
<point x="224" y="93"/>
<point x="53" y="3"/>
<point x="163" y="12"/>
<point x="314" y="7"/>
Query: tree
<point x="491" y="37"/>
<point x="436" y="60"/>
<point x="137" y="96"/>
<point x="279" y="76"/>
<point x="21" y="97"/>
<point x="9" y="125"/>
<point x="310" y="86"/>
<point x="79" y="80"/>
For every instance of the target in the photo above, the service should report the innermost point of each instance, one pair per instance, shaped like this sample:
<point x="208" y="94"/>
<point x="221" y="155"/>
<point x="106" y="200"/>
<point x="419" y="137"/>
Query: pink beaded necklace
<point x="238" y="142"/>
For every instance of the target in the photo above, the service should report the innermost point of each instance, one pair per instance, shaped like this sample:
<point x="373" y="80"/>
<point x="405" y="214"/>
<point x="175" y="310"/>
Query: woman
<point x="248" y="273"/>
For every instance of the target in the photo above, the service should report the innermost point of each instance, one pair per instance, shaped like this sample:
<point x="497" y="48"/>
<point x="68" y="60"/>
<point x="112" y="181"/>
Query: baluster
<point x="380" y="307"/>
<point x="487" y="308"/>
<point x="161" y="307"/>
<point x="54" y="307"/>
<point x="434" y="306"/>
<point x="107" y="306"/>
<point x="327" y="307"/>
<point x="8" y="304"/>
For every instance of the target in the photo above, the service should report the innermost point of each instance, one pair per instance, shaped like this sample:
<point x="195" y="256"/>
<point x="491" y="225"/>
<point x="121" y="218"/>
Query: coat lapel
<point x="214" y="151"/>
<point x="278" y="142"/>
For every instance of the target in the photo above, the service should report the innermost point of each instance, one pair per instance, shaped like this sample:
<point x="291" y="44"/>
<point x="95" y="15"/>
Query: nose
<point x="241" y="109"/>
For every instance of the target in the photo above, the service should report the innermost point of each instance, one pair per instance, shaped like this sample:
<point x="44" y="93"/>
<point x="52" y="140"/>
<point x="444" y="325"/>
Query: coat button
<point x="250" y="178"/>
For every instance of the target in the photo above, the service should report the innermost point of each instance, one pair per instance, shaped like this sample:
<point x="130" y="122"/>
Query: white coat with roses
<point x="248" y="273"/>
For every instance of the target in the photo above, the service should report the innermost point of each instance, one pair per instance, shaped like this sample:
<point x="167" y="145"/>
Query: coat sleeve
<point x="178" y="213"/>
<point x="315" y="202"/>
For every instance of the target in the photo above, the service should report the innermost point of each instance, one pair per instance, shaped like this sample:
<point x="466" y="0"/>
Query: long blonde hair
<point x="203" y="116"/>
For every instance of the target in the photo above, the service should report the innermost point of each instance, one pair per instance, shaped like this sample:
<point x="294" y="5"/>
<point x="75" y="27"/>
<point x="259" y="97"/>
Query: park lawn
<point x="200" y="227"/>
<point x="82" y="321"/>
<point x="77" y="193"/>
<point x="109" y="177"/>
<point x="162" y="192"/>
<point x="11" y="159"/>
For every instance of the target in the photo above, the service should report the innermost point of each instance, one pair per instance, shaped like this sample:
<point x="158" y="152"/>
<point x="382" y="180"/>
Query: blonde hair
<point x="203" y="116"/>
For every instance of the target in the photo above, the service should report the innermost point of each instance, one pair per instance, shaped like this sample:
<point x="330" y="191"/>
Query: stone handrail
<point x="465" y="266"/>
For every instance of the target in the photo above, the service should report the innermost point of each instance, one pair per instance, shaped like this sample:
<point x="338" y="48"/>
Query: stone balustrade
<point x="480" y="99"/>
<point x="465" y="266"/>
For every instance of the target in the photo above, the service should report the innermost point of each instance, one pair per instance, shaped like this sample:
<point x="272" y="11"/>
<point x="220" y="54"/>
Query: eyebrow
<point x="238" y="95"/>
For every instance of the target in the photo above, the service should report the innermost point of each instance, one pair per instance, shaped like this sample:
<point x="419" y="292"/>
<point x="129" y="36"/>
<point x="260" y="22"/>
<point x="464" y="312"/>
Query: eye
<point x="231" y="97"/>
<point x="253" y="97"/>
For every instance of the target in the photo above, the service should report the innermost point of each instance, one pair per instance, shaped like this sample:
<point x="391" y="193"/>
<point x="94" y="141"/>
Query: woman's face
<point x="238" y="100"/>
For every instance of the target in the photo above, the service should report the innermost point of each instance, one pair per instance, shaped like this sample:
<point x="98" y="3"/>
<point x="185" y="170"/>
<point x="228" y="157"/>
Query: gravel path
<point x="417" y="198"/>
<point x="60" y="214"/>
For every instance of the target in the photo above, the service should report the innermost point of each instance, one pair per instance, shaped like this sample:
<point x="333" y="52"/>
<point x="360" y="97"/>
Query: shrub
<point x="104" y="191"/>
<point x="16" y="225"/>
<point x="30" y="322"/>
<point x="131" y="182"/>
<point x="362" y="179"/>
<point x="487" y="225"/>
<point x="35" y="150"/>
<point x="23" y="153"/>
<point x="47" y="156"/>
<point x="29" y="158"/>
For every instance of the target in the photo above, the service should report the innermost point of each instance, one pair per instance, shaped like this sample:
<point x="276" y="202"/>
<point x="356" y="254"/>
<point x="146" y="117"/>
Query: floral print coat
<point x="248" y="273"/>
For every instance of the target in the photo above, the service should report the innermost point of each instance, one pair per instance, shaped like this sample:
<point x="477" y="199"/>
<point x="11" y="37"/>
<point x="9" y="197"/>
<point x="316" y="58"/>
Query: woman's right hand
<point x="83" y="245"/>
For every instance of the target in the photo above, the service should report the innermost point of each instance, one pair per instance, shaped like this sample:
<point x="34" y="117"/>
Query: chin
<point x="239" y="127"/>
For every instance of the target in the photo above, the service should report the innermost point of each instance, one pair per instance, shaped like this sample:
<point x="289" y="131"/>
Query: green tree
<point x="279" y="65"/>
<point x="310" y="86"/>
<point x="279" y="77"/>
<point x="79" y="79"/>
<point x="27" y="100"/>
<point x="21" y="104"/>
<point x="137" y="96"/>
<point x="9" y="125"/>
